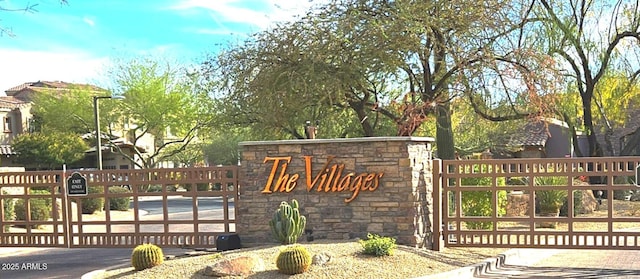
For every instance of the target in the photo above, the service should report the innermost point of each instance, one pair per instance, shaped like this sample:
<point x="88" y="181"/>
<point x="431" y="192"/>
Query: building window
<point x="7" y="124"/>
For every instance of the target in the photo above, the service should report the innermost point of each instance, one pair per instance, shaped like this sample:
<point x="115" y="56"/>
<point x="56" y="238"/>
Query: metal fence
<point x="505" y="203"/>
<point x="180" y="207"/>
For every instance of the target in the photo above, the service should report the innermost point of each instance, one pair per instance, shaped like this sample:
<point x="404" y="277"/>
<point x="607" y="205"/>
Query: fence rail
<point x="191" y="207"/>
<point x="476" y="195"/>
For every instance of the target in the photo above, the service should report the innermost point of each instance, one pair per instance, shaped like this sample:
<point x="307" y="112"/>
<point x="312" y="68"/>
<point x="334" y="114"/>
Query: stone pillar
<point x="378" y="185"/>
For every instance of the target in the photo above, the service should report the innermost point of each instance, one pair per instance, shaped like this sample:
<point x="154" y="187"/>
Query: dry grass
<point x="347" y="262"/>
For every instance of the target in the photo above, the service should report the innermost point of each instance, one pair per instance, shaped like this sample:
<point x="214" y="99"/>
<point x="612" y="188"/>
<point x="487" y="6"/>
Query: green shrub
<point x="287" y="223"/>
<point x="479" y="203"/>
<point x="157" y="188"/>
<point x="119" y="203"/>
<point x="146" y="256"/>
<point x="199" y="187"/>
<point x="91" y="205"/>
<point x="377" y="245"/>
<point x="40" y="207"/>
<point x="154" y="188"/>
<point x="293" y="260"/>
<point x="550" y="201"/>
<point x="9" y="211"/>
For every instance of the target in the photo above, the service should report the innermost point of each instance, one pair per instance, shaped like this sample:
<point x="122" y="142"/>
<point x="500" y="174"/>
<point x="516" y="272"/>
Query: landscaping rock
<point x="321" y="259"/>
<point x="240" y="266"/>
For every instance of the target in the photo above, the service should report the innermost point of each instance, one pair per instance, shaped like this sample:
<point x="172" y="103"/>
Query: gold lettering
<point x="376" y="182"/>
<point x="327" y="186"/>
<point x="291" y="184"/>
<point x="344" y="182"/>
<point x="276" y="164"/>
<point x="337" y="179"/>
<point x="368" y="181"/>
<point x="330" y="178"/>
<point x="355" y="188"/>
<point x="323" y="173"/>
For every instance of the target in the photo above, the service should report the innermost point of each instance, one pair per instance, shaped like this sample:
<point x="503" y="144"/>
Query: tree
<point x="568" y="28"/>
<point x="388" y="63"/>
<point x="223" y="149"/>
<point x="161" y="105"/>
<point x="48" y="150"/>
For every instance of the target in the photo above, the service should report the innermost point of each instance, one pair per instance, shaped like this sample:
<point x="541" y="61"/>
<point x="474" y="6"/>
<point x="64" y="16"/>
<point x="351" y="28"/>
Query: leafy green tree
<point x="163" y="108"/>
<point x="390" y="64"/>
<point x="189" y="156"/>
<point x="567" y="31"/>
<point x="161" y="102"/>
<point x="49" y="150"/>
<point x="223" y="149"/>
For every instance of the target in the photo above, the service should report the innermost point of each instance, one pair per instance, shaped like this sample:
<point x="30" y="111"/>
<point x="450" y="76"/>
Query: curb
<point x="471" y="271"/>
<point x="518" y="256"/>
<point x="93" y="274"/>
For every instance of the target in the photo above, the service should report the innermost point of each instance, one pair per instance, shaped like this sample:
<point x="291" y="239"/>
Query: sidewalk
<point x="569" y="263"/>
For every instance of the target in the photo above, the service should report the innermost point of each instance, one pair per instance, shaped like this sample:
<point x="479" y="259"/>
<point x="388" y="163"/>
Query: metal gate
<point x="180" y="207"/>
<point x="499" y="203"/>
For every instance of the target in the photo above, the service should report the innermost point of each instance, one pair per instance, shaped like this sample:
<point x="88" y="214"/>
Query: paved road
<point x="181" y="204"/>
<point x="570" y="264"/>
<point x="73" y="263"/>
<point x="66" y="263"/>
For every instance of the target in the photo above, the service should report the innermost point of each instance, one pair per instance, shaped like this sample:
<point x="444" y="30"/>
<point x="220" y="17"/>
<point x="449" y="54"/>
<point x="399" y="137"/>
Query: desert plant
<point x="550" y="201"/>
<point x="90" y="205"/>
<point x="478" y="203"/>
<point x="40" y="208"/>
<point x="156" y="188"/>
<point x="8" y="211"/>
<point x="377" y="245"/>
<point x="622" y="194"/>
<point x="293" y="260"/>
<point x="287" y="223"/>
<point x="199" y="187"/>
<point x="119" y="203"/>
<point x="145" y="256"/>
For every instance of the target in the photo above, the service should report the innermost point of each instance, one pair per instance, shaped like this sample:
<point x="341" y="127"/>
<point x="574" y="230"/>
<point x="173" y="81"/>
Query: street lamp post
<point x="96" y="115"/>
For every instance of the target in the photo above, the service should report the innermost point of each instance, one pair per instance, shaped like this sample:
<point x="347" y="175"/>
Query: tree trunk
<point x="631" y="147"/>
<point x="367" y="129"/>
<point x="444" y="133"/>
<point x="594" y="147"/>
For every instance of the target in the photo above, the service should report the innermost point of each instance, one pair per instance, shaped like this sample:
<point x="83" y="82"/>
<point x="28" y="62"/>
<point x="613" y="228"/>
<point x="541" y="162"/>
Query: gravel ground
<point x="346" y="262"/>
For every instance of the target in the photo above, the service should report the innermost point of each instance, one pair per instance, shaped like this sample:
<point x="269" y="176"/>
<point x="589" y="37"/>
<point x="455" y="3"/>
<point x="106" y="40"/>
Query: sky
<point x="80" y="41"/>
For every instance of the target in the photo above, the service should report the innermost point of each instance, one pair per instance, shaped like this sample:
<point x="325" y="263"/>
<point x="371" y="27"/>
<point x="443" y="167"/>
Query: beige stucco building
<point x="15" y="110"/>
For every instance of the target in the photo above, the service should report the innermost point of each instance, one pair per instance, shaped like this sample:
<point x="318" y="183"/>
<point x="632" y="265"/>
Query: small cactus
<point x="287" y="223"/>
<point x="145" y="256"/>
<point x="293" y="260"/>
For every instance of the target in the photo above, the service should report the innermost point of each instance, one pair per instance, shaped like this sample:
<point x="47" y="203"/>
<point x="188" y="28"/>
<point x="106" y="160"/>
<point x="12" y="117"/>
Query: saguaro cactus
<point x="287" y="223"/>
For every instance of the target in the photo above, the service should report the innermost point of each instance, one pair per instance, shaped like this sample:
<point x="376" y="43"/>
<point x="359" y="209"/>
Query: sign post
<point x="77" y="185"/>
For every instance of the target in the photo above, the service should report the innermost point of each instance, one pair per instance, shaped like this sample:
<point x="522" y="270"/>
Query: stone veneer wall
<point x="400" y="207"/>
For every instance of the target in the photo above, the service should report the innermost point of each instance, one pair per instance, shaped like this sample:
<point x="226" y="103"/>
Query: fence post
<point x="436" y="227"/>
<point x="67" y="207"/>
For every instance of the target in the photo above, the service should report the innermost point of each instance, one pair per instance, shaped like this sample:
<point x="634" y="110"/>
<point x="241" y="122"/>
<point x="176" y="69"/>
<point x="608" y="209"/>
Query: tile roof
<point x="10" y="102"/>
<point x="532" y="134"/>
<point x="18" y="88"/>
<point x="59" y="85"/>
